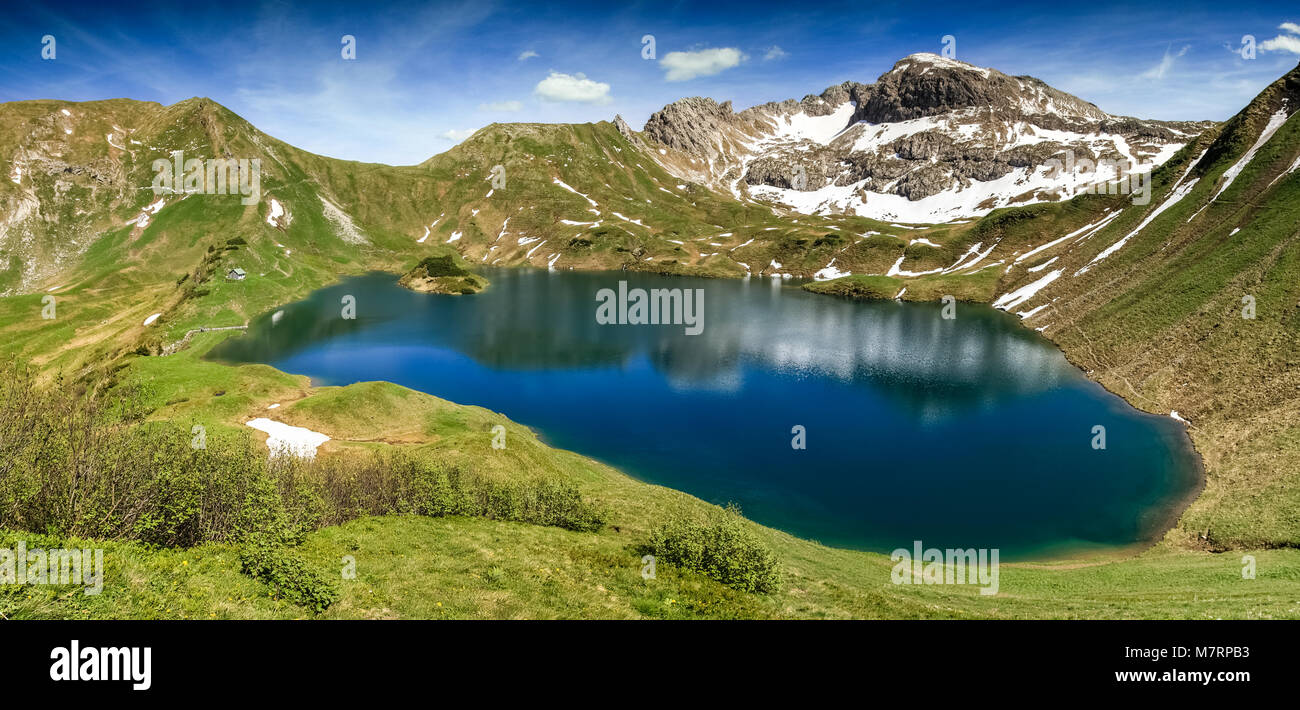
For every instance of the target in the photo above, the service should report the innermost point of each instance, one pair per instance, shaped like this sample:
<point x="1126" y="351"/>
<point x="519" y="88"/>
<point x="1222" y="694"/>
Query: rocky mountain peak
<point x="930" y="126"/>
<point x="689" y="124"/>
<point x="623" y="128"/>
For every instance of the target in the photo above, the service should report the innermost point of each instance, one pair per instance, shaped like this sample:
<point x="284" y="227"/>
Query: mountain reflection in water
<point x="971" y="432"/>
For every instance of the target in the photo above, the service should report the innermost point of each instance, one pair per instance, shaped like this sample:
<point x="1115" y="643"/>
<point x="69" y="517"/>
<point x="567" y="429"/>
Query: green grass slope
<point x="1154" y="305"/>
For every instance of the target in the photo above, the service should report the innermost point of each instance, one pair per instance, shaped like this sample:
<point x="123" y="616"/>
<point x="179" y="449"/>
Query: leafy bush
<point x="724" y="548"/>
<point x="398" y="482"/>
<point x="441" y="266"/>
<point x="287" y="574"/>
<point x="82" y="464"/>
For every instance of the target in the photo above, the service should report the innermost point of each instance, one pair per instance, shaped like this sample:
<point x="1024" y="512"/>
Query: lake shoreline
<point x="1168" y="513"/>
<point x="1173" y="512"/>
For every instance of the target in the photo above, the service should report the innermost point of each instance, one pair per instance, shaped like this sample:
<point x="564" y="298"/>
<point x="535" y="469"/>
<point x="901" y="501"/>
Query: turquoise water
<point x="969" y="432"/>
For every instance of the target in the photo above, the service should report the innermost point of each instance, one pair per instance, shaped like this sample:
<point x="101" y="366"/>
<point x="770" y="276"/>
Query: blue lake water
<point x="969" y="432"/>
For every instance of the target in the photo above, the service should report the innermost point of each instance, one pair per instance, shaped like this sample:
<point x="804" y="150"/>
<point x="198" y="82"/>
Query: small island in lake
<point x="441" y="274"/>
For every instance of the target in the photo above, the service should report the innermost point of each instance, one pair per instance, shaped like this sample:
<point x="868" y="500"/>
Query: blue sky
<point x="426" y="74"/>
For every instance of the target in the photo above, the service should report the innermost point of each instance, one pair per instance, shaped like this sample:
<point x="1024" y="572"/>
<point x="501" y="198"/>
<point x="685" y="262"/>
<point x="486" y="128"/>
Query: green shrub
<point x="724" y="548"/>
<point x="84" y="464"/>
<point x="441" y="266"/>
<point x="287" y="574"/>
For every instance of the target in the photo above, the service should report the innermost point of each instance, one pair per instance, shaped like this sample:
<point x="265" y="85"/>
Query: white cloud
<point x="1283" y="43"/>
<point x="682" y="66"/>
<point x="775" y="52"/>
<point x="498" y="106"/>
<point x="1166" y="63"/>
<point x="527" y="54"/>
<point x="572" y="87"/>
<point x="457" y="136"/>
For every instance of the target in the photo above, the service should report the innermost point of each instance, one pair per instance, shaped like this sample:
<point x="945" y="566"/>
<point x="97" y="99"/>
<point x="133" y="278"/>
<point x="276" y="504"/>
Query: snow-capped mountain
<point x="934" y="139"/>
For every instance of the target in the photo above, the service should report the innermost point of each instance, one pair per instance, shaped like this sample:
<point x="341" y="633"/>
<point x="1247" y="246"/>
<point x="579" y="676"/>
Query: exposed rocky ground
<point x="932" y="140"/>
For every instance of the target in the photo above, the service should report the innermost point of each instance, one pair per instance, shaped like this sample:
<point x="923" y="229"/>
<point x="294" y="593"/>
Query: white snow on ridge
<point x="1025" y="315"/>
<point x="896" y="270"/>
<point x="975" y="200"/>
<point x="818" y="129"/>
<point x="873" y="136"/>
<point x="627" y="219"/>
<point x="1293" y="168"/>
<point x="1021" y="186"/>
<point x="944" y="63"/>
<point x="1090" y="228"/>
<point x="1007" y="301"/>
<point x="979" y="256"/>
<point x="343" y="224"/>
<point x="561" y="183"/>
<point x="1044" y="265"/>
<point x="1170" y="201"/>
<point x="1274" y="122"/>
<point x="829" y="272"/>
<point x="142" y="220"/>
<point x="277" y="211"/>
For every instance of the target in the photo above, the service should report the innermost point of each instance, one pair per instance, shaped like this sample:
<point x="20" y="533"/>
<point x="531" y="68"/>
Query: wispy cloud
<point x="775" y="52"/>
<point x="1159" y="71"/>
<point x="682" y="66"/>
<point x="575" y="88"/>
<point x="1284" y="43"/>
<point x="502" y="106"/>
<point x="527" y="54"/>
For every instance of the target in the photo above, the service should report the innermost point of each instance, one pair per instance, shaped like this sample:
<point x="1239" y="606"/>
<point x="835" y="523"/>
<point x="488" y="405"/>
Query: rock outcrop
<point x="970" y="138"/>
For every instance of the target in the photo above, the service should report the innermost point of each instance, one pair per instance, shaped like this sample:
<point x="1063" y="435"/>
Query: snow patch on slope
<point x="1170" y="201"/>
<point x="1274" y="122"/>
<point x="285" y="440"/>
<point x="1010" y="300"/>
<point x="343" y="225"/>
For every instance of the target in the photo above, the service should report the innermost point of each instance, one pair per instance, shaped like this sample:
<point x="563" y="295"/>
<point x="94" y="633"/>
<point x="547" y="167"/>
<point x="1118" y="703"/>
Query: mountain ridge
<point x="929" y="127"/>
<point x="1147" y="299"/>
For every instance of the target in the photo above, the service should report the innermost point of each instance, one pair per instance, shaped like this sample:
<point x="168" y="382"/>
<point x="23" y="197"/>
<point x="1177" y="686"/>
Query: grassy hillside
<point x="1161" y="318"/>
<point x="470" y="567"/>
<point x="1156" y="319"/>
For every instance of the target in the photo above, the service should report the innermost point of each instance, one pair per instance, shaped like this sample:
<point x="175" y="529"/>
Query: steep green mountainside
<point x="1188" y="304"/>
<point x="81" y="222"/>
<point x="1199" y="312"/>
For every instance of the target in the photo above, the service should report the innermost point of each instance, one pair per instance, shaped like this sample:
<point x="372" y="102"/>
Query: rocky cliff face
<point x="931" y="140"/>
